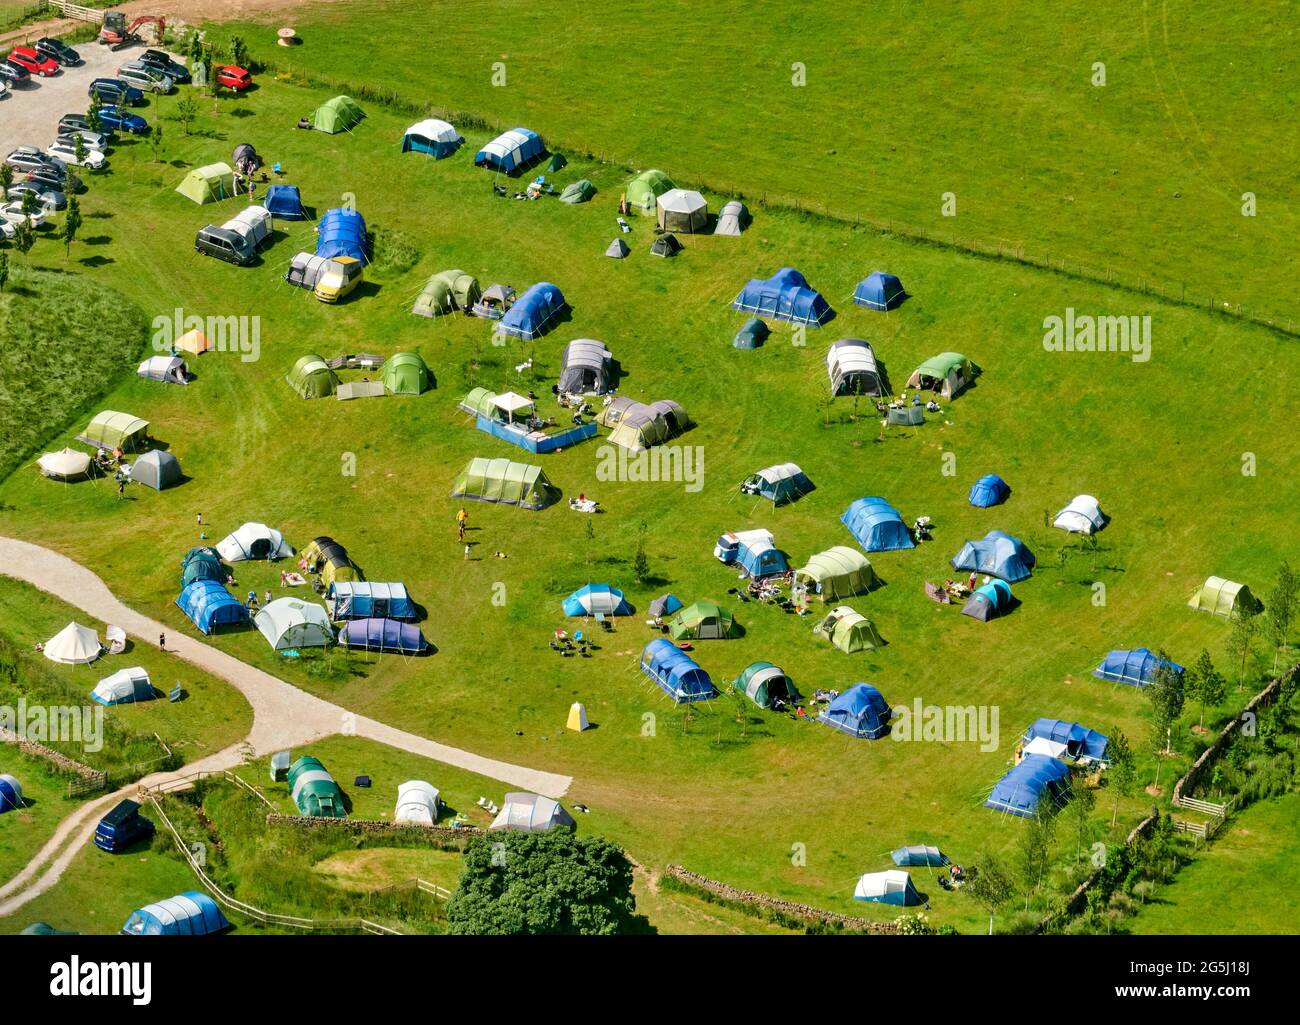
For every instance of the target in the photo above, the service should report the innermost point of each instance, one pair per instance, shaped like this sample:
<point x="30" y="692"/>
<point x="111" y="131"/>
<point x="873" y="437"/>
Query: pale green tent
<point x="849" y="631"/>
<point x="406" y="373"/>
<point x="445" y="292"/>
<point x="480" y="402"/>
<point x="702" y="621"/>
<point x="765" y="684"/>
<point x="111" y="429"/>
<point x="838" y="572"/>
<point x="577" y="192"/>
<point x="209" y="184"/>
<point x="340" y="114"/>
<point x="500" y="480"/>
<point x="1221" y="597"/>
<point x="312" y="378"/>
<point x="644" y="190"/>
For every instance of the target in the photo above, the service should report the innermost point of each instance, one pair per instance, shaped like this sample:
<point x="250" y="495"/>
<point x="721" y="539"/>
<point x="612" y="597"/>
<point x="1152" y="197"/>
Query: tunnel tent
<point x="665" y="246"/>
<point x="597" y="598"/>
<point x="312" y="378"/>
<point x="997" y="554"/>
<point x="919" y="855"/>
<point x="733" y="218"/>
<point x="644" y="190"/>
<point x="510" y="151"/>
<point x="752" y="334"/>
<point x="65" y="465"/>
<point x="877" y="525"/>
<point x="189" y="914"/>
<point x="702" y="621"/>
<point x="406" y="373"/>
<point x="786" y="295"/>
<point x="577" y="192"/>
<point x="1224" y="598"/>
<point x="891" y="887"/>
<point x="156" y="469"/>
<point x="637" y="426"/>
<point x="765" y="685"/>
<point x="208" y="184"/>
<point x="585" y="368"/>
<point x="360" y="599"/>
<point x="74" y="645"/>
<point x="479" y="402"/>
<point x="682" y="210"/>
<point x="253" y="541"/>
<point x="314" y="790"/>
<point x="340" y="114"/>
<point x="1082" y="516"/>
<point x="839" y="572"/>
<point x="675" y="672"/>
<point x="284" y="203"/>
<point x="879" y="291"/>
<point x="167" y="369"/>
<point x="948" y="373"/>
<point x="432" y="137"/>
<point x="506" y="482"/>
<point x="383" y="635"/>
<point x="988" y="602"/>
<point x="110" y="429"/>
<point x="852" y="369"/>
<point x="534" y="312"/>
<point x="1021" y="790"/>
<point x="288" y="623"/>
<point x="531" y="813"/>
<point x="11" y="793"/>
<point x="124" y="687"/>
<point x="1068" y="740"/>
<point x="779" y="483"/>
<point x="849" y="630"/>
<point x="861" y="711"/>
<point x="1136" y="667"/>
<point x="417" y="803"/>
<point x="446" y="292"/>
<point x="209" y="605"/>
<point x="342" y="232"/>
<point x="617" y="250"/>
<point x="988" y="491"/>
<point x="320" y="550"/>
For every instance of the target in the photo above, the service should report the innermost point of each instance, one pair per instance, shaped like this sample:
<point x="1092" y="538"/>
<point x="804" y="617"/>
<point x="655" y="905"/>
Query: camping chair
<point x="606" y="622"/>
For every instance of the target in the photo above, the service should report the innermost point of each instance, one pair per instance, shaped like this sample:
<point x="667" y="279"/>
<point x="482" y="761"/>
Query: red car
<point x="34" y="61"/>
<point x="233" y="77"/>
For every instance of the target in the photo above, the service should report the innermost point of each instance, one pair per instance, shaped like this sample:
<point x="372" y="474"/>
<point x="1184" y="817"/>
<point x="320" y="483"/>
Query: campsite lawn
<point x="24" y="832"/>
<point x="1156" y="442"/>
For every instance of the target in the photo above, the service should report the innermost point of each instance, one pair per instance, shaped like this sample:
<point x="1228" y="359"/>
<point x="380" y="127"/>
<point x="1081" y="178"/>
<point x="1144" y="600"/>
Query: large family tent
<point x="534" y="312"/>
<point x="360" y="599"/>
<point x="948" y="373"/>
<point x="74" y="645"/>
<point x="312" y="378"/>
<point x="288" y="623"/>
<point x="432" y="137"/>
<point x="446" y="292"/>
<point x="839" y="572"/>
<point x="209" y="605"/>
<point x="341" y="114"/>
<point x="988" y="491"/>
<point x="531" y="813"/>
<point x="1060" y="739"/>
<point x="786" y="295"/>
<point x="644" y="190"/>
<point x="111" y="429"/>
<point x="891" y="887"/>
<point x="383" y="635"/>
<point x="124" y="687"/>
<point x="877" y="525"/>
<point x="406" y="373"/>
<point x="1136" y="667"/>
<point x="919" y="855"/>
<point x="167" y="369"/>
<point x="1036" y="778"/>
<point x="253" y="541"/>
<point x="682" y="210"/>
<point x="314" y="790"/>
<point x="752" y="334"/>
<point x="679" y="675"/>
<point x="510" y="151"/>
<point x="592" y="598"/>
<point x="66" y="464"/>
<point x="284" y="203"/>
<point x="331" y="560"/>
<point x="997" y="554"/>
<point x="209" y="184"/>
<point x="779" y="483"/>
<point x="765" y="684"/>
<point x="702" y="621"/>
<point x="189" y="914"/>
<point x="585" y="367"/>
<point x="417" y="803"/>
<point x="636" y="426"/>
<point x="1082" y="516"/>
<point x="852" y="369"/>
<point x="156" y="469"/>
<point x="988" y="602"/>
<point x="879" y="291"/>
<point x="861" y="711"/>
<point x="665" y="245"/>
<point x="849" y="630"/>
<point x="732" y="218"/>
<point x="577" y="192"/>
<point x="342" y="232"/>
<point x="500" y="480"/>
<point x="1224" y="598"/>
<point x="11" y="793"/>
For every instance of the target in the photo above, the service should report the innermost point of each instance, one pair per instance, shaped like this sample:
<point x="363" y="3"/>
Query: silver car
<point x="91" y="140"/>
<point x="145" y="78"/>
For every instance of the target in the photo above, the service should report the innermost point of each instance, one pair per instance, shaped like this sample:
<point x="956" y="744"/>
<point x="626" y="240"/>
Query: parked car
<point x="59" y="51"/>
<point x="29" y="158"/>
<point x="119" y="120"/>
<point x="34" y="61"/>
<point x="4" y="88"/>
<point x="45" y="195"/>
<point x="233" y="77"/>
<point x="14" y="74"/>
<point x="122" y="827"/>
<point x="81" y="123"/>
<point x="174" y="70"/>
<point x="13" y="213"/>
<point x="89" y="139"/>
<point x="56" y="178"/>
<point x="67" y="152"/>
<point x="7" y="230"/>
<point x="111" y="90"/>
<point x="224" y="244"/>
<point x="145" y="78"/>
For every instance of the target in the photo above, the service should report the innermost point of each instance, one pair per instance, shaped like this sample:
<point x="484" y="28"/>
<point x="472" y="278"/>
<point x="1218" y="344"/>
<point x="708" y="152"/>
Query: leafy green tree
<point x="991" y="885"/>
<point x="1082" y="802"/>
<point x="1035" y="852"/>
<point x="641" y="562"/>
<point x="78" y="148"/>
<point x="1204" y="683"/>
<point x="1122" y="773"/>
<point x="1241" y="642"/>
<point x="1281" y="609"/>
<point x="238" y="51"/>
<point x="1165" y="693"/>
<point x="93" y="119"/>
<point x="6" y="177"/>
<point x="4" y="270"/>
<point x="30" y="204"/>
<point x="71" y="224"/>
<point x="553" y="883"/>
<point x="156" y="138"/>
<point x="24" y="236"/>
<point x="187" y="109"/>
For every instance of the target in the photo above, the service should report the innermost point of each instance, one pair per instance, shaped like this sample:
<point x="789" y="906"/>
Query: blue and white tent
<point x="781" y="483"/>
<point x="988" y="491"/>
<point x="861" y="711"/>
<point x="432" y="137"/>
<point x="877" y="526"/>
<point x="1063" y="739"/>
<point x="533" y="312"/>
<point x="786" y="295"/>
<point x="679" y="675"/>
<point x="1023" y="787"/>
<point x="209" y="605"/>
<point x="124" y="687"/>
<point x="11" y="793"/>
<point x="189" y="914"/>
<point x="999" y="555"/>
<point x="284" y="203"/>
<point x="593" y="598"/>
<point x="879" y="291"/>
<point x="364" y="599"/>
<point x="761" y="559"/>
<point x="923" y="855"/>
<point x="1137" y="667"/>
<point x="510" y="150"/>
<point x="989" y="602"/>
<point x="342" y="232"/>
<point x="892" y="887"/>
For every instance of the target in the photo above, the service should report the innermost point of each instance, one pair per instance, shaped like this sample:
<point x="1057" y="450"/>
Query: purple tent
<point x="383" y="635"/>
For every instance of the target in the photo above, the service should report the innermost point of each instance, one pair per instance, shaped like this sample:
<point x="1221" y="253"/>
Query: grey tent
<point x="245" y="159"/>
<point x="906" y="416"/>
<point x="732" y="219"/>
<point x="168" y="369"/>
<point x="851" y="366"/>
<point x="156" y="469"/>
<point x="666" y="245"/>
<point x="584" y="367"/>
<point x="618" y="249"/>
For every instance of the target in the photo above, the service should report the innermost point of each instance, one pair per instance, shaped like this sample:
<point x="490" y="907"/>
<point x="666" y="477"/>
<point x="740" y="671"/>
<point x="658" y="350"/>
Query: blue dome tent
<point x="877" y="526"/>
<point x="988" y="602"/>
<point x="879" y="291"/>
<point x="190" y="914"/>
<point x="786" y="295"/>
<point x="342" y="232"/>
<point x="593" y="598"/>
<point x="861" y="711"/>
<point x="533" y="312"/>
<point x="209" y="605"/>
<point x="999" y="555"/>
<point x="761" y="560"/>
<point x="11" y="793"/>
<point x="284" y="203"/>
<point x="1021" y="789"/>
<point x="679" y="675"/>
<point x="383" y="635"/>
<point x="988" y="491"/>
<point x="1073" y="740"/>
<point x="1137" y="668"/>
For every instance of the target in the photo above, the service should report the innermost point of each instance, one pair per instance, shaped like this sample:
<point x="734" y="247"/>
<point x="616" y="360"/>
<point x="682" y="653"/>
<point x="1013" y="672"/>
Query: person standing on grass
<point x="198" y="520"/>
<point x="460" y="530"/>
<point x="467" y="553"/>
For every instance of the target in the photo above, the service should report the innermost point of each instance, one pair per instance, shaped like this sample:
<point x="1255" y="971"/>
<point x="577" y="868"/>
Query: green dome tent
<point x="702" y="621"/>
<point x="849" y="631"/>
<point x="340" y="114"/>
<point x="578" y="192"/>
<point x="445" y="292"/>
<point x="405" y="373"/>
<point x="765" y="684"/>
<point x="500" y="480"/>
<point x="838" y="572"/>
<point x="312" y="378"/>
<point x="208" y="184"/>
<point x="644" y="190"/>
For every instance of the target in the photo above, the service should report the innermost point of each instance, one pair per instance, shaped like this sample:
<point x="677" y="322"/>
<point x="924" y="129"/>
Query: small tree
<point x="1122" y="773"/>
<point x="79" y="149"/>
<point x="4" y="270"/>
<point x="1082" y="802"/>
<point x="93" y="119"/>
<point x="1281" y="609"/>
<point x="991" y="886"/>
<point x="1035" y="850"/>
<point x="238" y="51"/>
<point x="1204" y="683"/>
<point x="30" y="204"/>
<point x="1167" y="698"/>
<point x="186" y="111"/>
<point x="6" y="177"/>
<point x="640" y="562"/>
<point x="71" y="224"/>
<point x="1241" y="642"/>
<point x="156" y="138"/>
<point x="24" y="236"/>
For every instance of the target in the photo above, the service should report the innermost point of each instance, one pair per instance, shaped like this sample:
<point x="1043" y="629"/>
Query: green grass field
<point x="1159" y="443"/>
<point x="23" y="832"/>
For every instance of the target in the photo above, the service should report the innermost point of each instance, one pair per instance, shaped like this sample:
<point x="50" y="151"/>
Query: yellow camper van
<point x="339" y="277"/>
